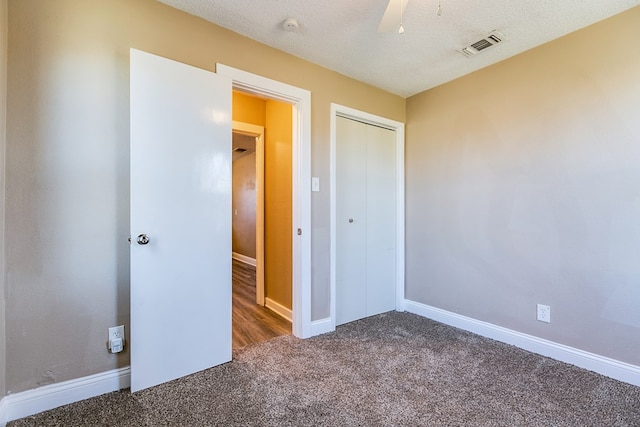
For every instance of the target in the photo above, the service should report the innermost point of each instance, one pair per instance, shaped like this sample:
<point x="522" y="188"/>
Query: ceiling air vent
<point x="482" y="44"/>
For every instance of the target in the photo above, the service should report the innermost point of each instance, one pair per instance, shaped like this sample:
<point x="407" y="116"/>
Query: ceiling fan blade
<point x="392" y="16"/>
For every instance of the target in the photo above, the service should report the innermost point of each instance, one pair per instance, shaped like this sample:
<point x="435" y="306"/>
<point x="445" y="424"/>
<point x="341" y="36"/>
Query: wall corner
<point x="3" y="121"/>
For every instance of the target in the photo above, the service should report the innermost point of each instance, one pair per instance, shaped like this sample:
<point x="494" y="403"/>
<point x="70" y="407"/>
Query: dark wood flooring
<point x="252" y="323"/>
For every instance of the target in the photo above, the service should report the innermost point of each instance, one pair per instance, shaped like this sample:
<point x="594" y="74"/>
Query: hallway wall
<point x="246" y="109"/>
<point x="244" y="192"/>
<point x="278" y="203"/>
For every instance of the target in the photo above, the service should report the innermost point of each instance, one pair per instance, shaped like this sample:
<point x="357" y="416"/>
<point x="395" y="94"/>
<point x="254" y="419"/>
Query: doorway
<point x="261" y="232"/>
<point x="300" y="100"/>
<point x="247" y="198"/>
<point x="161" y="91"/>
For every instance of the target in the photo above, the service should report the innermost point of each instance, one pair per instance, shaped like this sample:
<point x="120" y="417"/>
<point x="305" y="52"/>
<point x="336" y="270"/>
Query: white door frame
<point x="257" y="132"/>
<point x="300" y="99"/>
<point x="398" y="127"/>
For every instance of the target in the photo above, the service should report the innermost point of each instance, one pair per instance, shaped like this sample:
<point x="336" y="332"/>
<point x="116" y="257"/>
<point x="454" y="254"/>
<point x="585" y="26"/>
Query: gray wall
<point x="523" y="187"/>
<point x="67" y="191"/>
<point x="3" y="111"/>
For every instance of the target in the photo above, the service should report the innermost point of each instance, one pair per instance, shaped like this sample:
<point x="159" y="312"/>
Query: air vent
<point x="482" y="44"/>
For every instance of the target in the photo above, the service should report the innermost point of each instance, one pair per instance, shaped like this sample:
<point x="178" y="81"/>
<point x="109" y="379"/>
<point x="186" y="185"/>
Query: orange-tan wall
<point x="277" y="202"/>
<point x="248" y="109"/>
<point x="67" y="173"/>
<point x="276" y="117"/>
<point x="523" y="187"/>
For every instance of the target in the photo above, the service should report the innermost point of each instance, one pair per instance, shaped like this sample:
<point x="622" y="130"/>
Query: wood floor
<point x="252" y="323"/>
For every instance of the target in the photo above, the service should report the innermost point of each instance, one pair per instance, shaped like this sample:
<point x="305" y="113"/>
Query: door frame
<point x="300" y="99"/>
<point x="257" y="132"/>
<point x="398" y="127"/>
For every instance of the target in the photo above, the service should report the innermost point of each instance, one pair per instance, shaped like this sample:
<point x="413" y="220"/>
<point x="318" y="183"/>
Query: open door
<point x="180" y="220"/>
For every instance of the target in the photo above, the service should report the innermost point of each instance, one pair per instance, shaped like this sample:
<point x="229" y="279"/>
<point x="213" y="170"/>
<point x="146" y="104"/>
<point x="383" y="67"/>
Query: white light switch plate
<point x="315" y="183"/>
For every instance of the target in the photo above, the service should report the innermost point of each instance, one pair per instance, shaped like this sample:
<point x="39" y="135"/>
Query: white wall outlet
<point x="544" y="313"/>
<point x="116" y="339"/>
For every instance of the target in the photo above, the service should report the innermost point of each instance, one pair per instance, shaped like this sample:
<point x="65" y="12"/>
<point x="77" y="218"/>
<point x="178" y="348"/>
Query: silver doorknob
<point x="350" y="219"/>
<point x="143" y="239"/>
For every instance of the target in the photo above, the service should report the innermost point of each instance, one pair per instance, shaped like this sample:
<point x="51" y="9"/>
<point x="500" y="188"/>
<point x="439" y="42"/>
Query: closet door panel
<point x="351" y="182"/>
<point x="381" y="220"/>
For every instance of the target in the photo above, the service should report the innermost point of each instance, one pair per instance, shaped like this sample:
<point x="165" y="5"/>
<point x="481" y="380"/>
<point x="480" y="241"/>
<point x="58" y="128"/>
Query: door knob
<point x="350" y="219"/>
<point x="143" y="239"/>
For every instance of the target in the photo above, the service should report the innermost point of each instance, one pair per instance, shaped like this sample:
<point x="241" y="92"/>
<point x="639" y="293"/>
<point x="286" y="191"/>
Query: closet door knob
<point x="143" y="239"/>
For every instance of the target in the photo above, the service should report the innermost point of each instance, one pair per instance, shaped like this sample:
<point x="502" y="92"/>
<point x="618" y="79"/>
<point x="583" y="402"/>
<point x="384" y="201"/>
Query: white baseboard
<point x="603" y="365"/>
<point x="278" y="308"/>
<point x="31" y="402"/>
<point x="322" y="326"/>
<point x="243" y="258"/>
<point x="3" y="412"/>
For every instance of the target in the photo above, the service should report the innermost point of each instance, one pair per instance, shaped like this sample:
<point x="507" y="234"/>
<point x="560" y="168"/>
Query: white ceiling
<point x="342" y="34"/>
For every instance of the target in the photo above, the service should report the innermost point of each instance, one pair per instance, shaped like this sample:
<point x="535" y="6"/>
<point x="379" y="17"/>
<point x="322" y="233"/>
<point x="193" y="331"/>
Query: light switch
<point x="315" y="183"/>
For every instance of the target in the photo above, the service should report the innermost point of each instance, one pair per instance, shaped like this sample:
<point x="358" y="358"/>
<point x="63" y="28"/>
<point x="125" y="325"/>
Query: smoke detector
<point x="290" y="24"/>
<point x="492" y="39"/>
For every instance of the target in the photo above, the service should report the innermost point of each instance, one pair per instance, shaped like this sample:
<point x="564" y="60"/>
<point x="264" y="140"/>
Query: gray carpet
<point x="395" y="369"/>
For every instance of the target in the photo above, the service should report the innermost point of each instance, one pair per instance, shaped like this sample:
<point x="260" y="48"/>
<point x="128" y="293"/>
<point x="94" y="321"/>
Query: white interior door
<point x="181" y="200"/>
<point x="366" y="237"/>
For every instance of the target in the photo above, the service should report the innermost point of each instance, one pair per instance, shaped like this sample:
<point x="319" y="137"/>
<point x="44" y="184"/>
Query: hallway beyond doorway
<point x="251" y="322"/>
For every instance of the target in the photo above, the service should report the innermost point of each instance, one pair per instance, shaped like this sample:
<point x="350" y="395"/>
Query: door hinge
<point x="299" y="231"/>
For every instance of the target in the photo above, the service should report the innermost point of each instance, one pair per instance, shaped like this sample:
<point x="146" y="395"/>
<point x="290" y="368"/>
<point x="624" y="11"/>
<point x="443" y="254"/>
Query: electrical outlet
<point x="116" y="339"/>
<point x="544" y="313"/>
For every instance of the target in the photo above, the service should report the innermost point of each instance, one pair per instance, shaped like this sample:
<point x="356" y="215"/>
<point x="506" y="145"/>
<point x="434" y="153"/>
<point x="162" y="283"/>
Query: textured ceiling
<point x="342" y="34"/>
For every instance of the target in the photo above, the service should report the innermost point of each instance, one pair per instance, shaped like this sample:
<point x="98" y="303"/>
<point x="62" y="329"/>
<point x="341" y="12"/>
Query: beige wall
<point x="3" y="111"/>
<point x="67" y="177"/>
<point x="277" y="202"/>
<point x="523" y="188"/>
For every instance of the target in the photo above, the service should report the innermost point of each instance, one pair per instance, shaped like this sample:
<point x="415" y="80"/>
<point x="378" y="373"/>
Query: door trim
<point x="371" y="119"/>
<point x="300" y="99"/>
<point x="257" y="132"/>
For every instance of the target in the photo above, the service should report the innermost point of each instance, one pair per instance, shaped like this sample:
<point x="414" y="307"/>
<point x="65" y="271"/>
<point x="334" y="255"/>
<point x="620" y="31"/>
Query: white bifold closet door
<point x="366" y="220"/>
